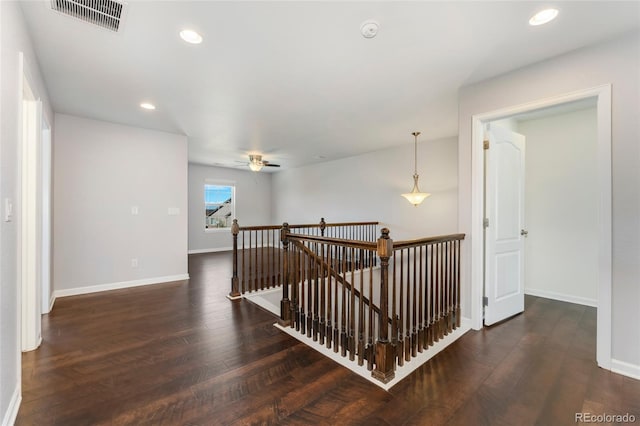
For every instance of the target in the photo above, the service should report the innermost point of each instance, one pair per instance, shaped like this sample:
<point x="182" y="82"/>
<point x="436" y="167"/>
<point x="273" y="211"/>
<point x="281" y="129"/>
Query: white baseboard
<point x="210" y="250"/>
<point x="626" y="369"/>
<point x="11" y="414"/>
<point x="116" y="286"/>
<point x="561" y="297"/>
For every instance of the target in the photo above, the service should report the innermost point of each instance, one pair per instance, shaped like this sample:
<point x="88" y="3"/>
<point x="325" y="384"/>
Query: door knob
<point x="524" y="233"/>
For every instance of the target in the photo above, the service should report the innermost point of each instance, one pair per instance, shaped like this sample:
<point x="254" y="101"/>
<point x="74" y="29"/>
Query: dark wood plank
<point x="183" y="354"/>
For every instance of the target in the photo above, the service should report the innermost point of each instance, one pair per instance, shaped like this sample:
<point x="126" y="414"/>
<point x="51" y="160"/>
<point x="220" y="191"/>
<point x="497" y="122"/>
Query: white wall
<point x="617" y="63"/>
<point x="13" y="39"/>
<point x="253" y="204"/>
<point x="561" y="260"/>
<point x="368" y="187"/>
<point x="101" y="171"/>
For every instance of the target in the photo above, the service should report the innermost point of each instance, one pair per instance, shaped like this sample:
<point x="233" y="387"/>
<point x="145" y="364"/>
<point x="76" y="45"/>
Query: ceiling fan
<point x="256" y="163"/>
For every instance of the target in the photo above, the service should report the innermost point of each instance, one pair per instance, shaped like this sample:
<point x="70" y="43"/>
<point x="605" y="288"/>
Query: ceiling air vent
<point x="104" y="13"/>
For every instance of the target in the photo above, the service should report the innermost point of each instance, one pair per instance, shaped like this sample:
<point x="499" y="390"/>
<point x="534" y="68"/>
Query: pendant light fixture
<point x="415" y="197"/>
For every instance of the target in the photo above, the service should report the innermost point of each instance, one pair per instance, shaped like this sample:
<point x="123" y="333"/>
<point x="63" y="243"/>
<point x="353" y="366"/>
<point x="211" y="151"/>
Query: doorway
<point x="602" y="97"/>
<point x="34" y="228"/>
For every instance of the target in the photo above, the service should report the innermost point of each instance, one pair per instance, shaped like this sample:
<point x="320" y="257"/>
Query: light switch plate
<point x="8" y="210"/>
<point x="174" y="211"/>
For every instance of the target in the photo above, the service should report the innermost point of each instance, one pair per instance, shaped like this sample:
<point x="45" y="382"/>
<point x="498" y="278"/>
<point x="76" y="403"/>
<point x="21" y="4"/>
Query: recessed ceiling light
<point x="191" y="36"/>
<point x="543" y="17"/>
<point x="147" y="105"/>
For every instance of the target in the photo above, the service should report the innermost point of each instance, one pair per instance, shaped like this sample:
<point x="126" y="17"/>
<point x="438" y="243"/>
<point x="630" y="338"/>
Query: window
<point x="219" y="206"/>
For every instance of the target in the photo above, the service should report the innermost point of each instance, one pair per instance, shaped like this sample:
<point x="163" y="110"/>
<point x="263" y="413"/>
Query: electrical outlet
<point x="134" y="210"/>
<point x="134" y="262"/>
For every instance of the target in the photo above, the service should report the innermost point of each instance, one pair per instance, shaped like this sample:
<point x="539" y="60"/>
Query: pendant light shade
<point x="415" y="197"/>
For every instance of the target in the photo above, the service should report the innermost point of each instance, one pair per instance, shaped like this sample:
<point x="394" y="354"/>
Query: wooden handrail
<point x="257" y="250"/>
<point x="308" y="225"/>
<point x="399" y="245"/>
<point x="335" y="274"/>
<point x="336" y="241"/>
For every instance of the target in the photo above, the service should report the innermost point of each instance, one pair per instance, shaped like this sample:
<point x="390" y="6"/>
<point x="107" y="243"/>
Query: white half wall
<point x="368" y="187"/>
<point x="103" y="174"/>
<point x="616" y="62"/>
<point x="253" y="204"/>
<point x="561" y="259"/>
<point x="14" y="39"/>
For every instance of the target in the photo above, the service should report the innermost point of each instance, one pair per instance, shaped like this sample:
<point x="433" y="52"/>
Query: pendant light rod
<point x="415" y="156"/>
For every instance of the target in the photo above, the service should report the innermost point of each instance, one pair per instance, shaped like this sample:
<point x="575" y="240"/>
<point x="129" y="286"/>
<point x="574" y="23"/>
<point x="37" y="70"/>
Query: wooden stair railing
<point x="321" y="301"/>
<point x="415" y="300"/>
<point x="257" y="250"/>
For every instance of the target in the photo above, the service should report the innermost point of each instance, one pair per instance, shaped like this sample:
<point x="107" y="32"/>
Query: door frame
<point x="602" y="94"/>
<point x="28" y="243"/>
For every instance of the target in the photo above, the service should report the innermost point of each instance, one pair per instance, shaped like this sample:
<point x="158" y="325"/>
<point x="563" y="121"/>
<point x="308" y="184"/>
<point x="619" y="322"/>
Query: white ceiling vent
<point x="104" y="13"/>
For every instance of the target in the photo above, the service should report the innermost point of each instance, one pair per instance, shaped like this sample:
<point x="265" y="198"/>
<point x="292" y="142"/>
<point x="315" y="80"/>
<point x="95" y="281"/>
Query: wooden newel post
<point x="285" y="303"/>
<point x="235" y="291"/>
<point x="323" y="226"/>
<point x="385" y="351"/>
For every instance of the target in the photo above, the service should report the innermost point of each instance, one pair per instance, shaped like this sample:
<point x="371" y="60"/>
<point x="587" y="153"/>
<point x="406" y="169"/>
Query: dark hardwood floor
<point x="183" y="354"/>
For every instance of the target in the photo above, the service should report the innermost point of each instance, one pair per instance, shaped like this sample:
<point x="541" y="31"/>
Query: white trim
<point x="14" y="405"/>
<point x="626" y="369"/>
<point x="603" y="95"/>
<point x="116" y="286"/>
<point x="210" y="250"/>
<point x="561" y="297"/>
<point x="401" y="372"/>
<point x="218" y="230"/>
<point x="52" y="301"/>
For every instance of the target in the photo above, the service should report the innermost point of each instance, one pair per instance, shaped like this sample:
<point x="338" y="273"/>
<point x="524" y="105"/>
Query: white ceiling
<point x="296" y="81"/>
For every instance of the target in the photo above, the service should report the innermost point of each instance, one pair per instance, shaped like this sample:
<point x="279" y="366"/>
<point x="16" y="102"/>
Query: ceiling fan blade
<point x="270" y="165"/>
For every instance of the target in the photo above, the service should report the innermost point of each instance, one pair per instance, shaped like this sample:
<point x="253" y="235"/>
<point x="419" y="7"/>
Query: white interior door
<point x="504" y="225"/>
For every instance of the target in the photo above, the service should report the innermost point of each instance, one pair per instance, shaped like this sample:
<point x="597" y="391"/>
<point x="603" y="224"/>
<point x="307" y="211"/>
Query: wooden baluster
<point x="329" y="333"/>
<point x="441" y="287"/>
<point x="352" y="313"/>
<point x="310" y="292"/>
<point x="268" y="266"/>
<point x="323" y="297"/>
<point x="243" y="282"/>
<point x="361" y="341"/>
<point x="262" y="274"/>
<point x="255" y="265"/>
<point x="345" y="305"/>
<point x="298" y="301"/>
<point x="408" y="313"/>
<point x="414" y="303"/>
<point x="316" y="295"/>
<point x="394" y="315"/>
<point x="401" y="340"/>
<point x="436" y="314"/>
<point x="337" y="305"/>
<point x="370" y="345"/>
<point x="385" y="357"/>
<point x="458" y="283"/>
<point x="279" y="278"/>
<point x="444" y="288"/>
<point x="302" y="317"/>
<point x="235" y="290"/>
<point x="420" y="303"/>
<point x="449" y="287"/>
<point x="285" y="303"/>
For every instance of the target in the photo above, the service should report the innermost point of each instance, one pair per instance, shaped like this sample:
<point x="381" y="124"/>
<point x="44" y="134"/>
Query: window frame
<point x="219" y="183"/>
